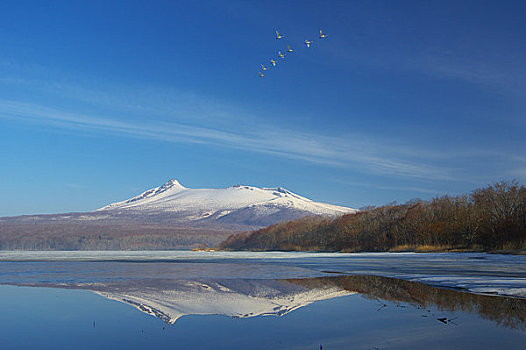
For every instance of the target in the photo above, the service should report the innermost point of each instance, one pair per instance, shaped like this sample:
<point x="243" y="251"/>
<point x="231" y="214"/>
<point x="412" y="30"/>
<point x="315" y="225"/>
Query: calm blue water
<point x="41" y="318"/>
<point x="185" y="301"/>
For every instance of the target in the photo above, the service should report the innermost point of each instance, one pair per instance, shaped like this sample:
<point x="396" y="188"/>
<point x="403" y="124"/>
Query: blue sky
<point x="100" y="100"/>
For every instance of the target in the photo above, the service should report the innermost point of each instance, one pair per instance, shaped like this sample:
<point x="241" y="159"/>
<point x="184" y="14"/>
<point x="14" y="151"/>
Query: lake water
<point x="221" y="300"/>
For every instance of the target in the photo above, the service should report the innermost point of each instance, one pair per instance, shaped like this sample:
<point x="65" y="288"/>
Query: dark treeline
<point x="489" y="219"/>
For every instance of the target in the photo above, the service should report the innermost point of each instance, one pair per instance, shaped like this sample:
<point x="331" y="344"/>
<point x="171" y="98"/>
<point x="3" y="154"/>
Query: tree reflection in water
<point x="505" y="311"/>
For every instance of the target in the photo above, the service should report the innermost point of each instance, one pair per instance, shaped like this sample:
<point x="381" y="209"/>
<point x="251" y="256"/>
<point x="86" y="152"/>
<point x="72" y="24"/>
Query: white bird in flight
<point x="263" y="67"/>
<point x="273" y="63"/>
<point x="278" y="36"/>
<point x="289" y="49"/>
<point x="280" y="55"/>
<point x="260" y="74"/>
<point x="322" y="35"/>
<point x="307" y="43"/>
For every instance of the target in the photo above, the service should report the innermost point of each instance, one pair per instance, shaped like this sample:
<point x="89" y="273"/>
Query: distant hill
<point x="170" y="216"/>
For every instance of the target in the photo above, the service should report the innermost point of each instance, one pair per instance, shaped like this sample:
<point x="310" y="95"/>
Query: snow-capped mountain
<point x="170" y="216"/>
<point x="246" y="205"/>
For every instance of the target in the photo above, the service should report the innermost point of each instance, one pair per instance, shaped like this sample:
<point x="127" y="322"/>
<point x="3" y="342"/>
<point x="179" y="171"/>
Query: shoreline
<point x="416" y="250"/>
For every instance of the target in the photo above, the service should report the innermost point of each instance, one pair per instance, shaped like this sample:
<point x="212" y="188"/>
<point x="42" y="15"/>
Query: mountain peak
<point x="172" y="183"/>
<point x="245" y="205"/>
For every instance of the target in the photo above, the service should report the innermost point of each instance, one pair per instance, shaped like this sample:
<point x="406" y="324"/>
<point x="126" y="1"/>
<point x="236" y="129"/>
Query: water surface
<point x="202" y="300"/>
<point x="475" y="272"/>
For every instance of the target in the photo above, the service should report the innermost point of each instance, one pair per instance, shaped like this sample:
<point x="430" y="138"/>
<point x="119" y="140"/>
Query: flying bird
<point x="307" y="43"/>
<point x="289" y="49"/>
<point x="278" y="36"/>
<point x="322" y="35"/>
<point x="263" y="67"/>
<point x="260" y="74"/>
<point x="273" y="63"/>
<point x="280" y="55"/>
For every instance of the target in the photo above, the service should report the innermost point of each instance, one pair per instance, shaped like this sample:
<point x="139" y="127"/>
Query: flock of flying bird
<point x="289" y="50"/>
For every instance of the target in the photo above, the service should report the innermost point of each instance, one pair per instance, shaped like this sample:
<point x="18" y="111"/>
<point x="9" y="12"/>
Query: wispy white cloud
<point x="503" y="76"/>
<point x="410" y="189"/>
<point x="518" y="173"/>
<point x="185" y="117"/>
<point x="337" y="151"/>
<point x="74" y="186"/>
<point x="183" y="106"/>
<point x="501" y="71"/>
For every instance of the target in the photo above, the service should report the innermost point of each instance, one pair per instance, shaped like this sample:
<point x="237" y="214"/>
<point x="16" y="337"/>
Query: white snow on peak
<point x="172" y="185"/>
<point x="174" y="197"/>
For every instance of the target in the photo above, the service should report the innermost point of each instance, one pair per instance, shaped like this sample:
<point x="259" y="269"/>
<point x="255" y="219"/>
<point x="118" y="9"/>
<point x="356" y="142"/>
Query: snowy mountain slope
<point x="238" y="204"/>
<point x="170" y="216"/>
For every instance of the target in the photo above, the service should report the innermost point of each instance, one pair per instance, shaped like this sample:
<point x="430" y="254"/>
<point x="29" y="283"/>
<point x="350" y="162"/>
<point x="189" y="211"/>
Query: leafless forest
<point x="489" y="219"/>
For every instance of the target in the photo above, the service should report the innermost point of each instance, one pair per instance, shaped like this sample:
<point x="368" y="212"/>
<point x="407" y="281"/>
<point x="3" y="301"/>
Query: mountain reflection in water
<point x="170" y="299"/>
